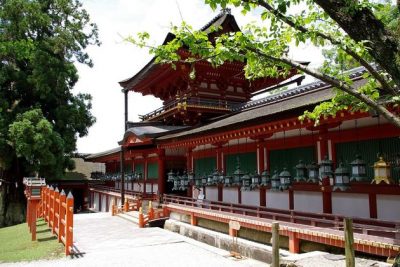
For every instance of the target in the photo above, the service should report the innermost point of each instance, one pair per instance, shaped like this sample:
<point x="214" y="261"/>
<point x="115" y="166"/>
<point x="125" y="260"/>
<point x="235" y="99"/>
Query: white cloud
<point x="115" y="60"/>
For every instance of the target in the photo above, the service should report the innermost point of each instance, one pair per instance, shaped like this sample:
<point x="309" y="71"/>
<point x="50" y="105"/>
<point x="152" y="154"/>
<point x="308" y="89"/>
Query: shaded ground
<point x="16" y="244"/>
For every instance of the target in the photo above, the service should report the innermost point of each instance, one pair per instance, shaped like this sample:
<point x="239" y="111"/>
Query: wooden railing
<point x="373" y="227"/>
<point x="57" y="209"/>
<point x="152" y="214"/>
<point x="137" y="194"/>
<point x="129" y="205"/>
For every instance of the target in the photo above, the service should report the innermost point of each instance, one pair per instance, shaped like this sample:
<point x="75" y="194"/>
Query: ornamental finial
<point x="226" y="11"/>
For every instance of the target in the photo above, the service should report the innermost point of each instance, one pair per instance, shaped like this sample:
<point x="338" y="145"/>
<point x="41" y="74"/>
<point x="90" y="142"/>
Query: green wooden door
<point x="289" y="158"/>
<point x="248" y="162"/>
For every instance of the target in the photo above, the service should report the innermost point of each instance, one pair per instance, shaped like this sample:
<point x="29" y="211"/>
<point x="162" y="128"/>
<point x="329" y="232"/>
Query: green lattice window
<point x="289" y="158"/>
<point x="139" y="168"/>
<point x="152" y="170"/>
<point x="205" y="165"/>
<point x="248" y="162"/>
<point x="369" y="149"/>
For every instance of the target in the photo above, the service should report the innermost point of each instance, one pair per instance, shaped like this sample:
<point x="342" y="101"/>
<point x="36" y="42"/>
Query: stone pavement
<point x="103" y="240"/>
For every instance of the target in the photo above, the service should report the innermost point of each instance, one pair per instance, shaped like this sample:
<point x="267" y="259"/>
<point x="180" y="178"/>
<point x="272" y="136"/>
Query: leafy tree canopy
<point x="40" y="117"/>
<point x="354" y="33"/>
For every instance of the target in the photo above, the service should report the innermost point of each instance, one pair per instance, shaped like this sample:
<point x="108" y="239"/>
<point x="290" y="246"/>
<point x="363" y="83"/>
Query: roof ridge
<point x="223" y="12"/>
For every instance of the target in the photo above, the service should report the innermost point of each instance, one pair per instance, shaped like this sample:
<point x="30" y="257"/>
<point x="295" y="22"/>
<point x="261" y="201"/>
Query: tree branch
<point x="335" y="83"/>
<point x="363" y="62"/>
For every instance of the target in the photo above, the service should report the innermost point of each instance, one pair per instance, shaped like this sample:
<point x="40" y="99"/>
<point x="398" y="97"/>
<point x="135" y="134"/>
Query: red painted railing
<point x="129" y="205"/>
<point x="152" y="214"/>
<point x="372" y="236"/>
<point x="57" y="209"/>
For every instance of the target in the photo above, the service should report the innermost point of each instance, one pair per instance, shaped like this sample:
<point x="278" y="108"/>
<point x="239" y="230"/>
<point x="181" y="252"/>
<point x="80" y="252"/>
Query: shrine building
<point x="210" y="139"/>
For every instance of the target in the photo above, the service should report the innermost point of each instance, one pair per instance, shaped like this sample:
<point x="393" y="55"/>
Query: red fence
<point x="57" y="209"/>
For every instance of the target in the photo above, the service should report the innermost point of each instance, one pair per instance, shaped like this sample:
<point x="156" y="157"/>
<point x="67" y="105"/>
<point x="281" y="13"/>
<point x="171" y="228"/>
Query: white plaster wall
<point x="126" y="185"/>
<point x="119" y="201"/>
<point x="155" y="188"/>
<point x="148" y="188"/>
<point x="388" y="207"/>
<point x="137" y="187"/>
<point x="129" y="185"/>
<point x="117" y="185"/>
<point x="308" y="201"/>
<point x="251" y="198"/>
<point x="230" y="195"/>
<point x="353" y="205"/>
<point x="277" y="200"/>
<point x="212" y="193"/>
<point x="96" y="202"/>
<point x="103" y="203"/>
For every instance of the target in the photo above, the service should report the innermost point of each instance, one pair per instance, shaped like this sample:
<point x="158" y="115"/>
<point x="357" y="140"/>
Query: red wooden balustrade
<point x="152" y="214"/>
<point x="129" y="205"/>
<point x="377" y="237"/>
<point x="57" y="209"/>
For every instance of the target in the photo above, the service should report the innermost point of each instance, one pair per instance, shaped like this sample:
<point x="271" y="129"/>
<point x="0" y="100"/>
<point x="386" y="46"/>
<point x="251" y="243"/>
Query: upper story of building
<point x="213" y="92"/>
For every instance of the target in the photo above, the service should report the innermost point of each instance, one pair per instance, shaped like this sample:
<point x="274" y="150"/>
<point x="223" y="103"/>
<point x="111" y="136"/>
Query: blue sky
<point x="116" y="60"/>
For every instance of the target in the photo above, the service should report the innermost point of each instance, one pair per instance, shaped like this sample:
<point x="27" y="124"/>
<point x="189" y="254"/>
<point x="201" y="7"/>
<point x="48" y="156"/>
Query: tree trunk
<point x="361" y="24"/>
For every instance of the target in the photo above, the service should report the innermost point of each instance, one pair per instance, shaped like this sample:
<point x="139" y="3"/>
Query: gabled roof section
<point x="224" y="20"/>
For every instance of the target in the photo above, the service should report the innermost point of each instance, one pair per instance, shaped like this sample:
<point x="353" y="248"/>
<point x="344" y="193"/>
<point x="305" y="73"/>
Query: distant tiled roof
<point x="263" y="109"/>
<point x="104" y="153"/>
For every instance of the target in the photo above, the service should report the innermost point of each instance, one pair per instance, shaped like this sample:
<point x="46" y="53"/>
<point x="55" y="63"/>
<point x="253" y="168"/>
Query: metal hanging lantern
<point x="358" y="170"/>
<point x="238" y="174"/>
<point x="171" y="176"/>
<point x="204" y="180"/>
<point x="255" y="180"/>
<point x="265" y="178"/>
<point x="228" y="181"/>
<point x="221" y="178"/>
<point x="285" y="179"/>
<point x="301" y="172"/>
<point x="275" y="181"/>
<point x="210" y="179"/>
<point x="313" y="174"/>
<point x="246" y="182"/>
<point x="184" y="181"/>
<point x="176" y="183"/>
<point x="382" y="172"/>
<point x="342" y="178"/>
<point x="326" y="168"/>
<point x="216" y="176"/>
<point x="191" y="177"/>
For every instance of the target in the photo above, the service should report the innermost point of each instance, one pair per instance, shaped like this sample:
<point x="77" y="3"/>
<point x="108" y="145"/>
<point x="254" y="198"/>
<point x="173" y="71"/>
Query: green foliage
<point x="40" y="118"/>
<point x="264" y="48"/>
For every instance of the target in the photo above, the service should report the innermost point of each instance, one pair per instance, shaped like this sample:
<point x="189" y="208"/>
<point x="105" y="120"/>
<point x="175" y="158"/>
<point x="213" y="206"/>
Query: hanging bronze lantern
<point x="313" y="175"/>
<point x="285" y="179"/>
<point x="358" y="170"/>
<point x="204" y="180"/>
<point x="265" y="178"/>
<point x="275" y="181"/>
<point x="245" y="182"/>
<point x="237" y="175"/>
<point x="176" y="183"/>
<point x="216" y="175"/>
<point x="171" y="176"/>
<point x="210" y="179"/>
<point x="184" y="181"/>
<point x="255" y="180"/>
<point x="342" y="178"/>
<point x="301" y="172"/>
<point x="228" y="181"/>
<point x="382" y="172"/>
<point x="191" y="177"/>
<point x="221" y="178"/>
<point x="326" y="169"/>
<point x="198" y="183"/>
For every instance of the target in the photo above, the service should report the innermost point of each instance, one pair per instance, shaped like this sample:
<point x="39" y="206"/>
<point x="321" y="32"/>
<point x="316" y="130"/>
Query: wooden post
<point x="151" y="211"/>
<point x="275" y="245"/>
<point x="53" y="209"/>
<point x="33" y="218"/>
<point x="193" y="219"/>
<point x="294" y="243"/>
<point x="61" y="230"/>
<point x="349" y="242"/>
<point x="113" y="207"/>
<point x="141" y="218"/>
<point x="28" y="215"/>
<point x="56" y="226"/>
<point x="69" y="224"/>
<point x="126" y="205"/>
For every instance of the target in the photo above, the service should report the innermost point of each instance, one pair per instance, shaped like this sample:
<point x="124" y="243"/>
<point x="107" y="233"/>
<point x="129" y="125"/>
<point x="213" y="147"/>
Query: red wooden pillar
<point x="263" y="197"/>
<point x="32" y="213"/>
<point x="161" y="171"/>
<point x="145" y="174"/>
<point x="189" y="159"/>
<point x="373" y="209"/>
<point x="260" y="156"/>
<point x="239" y="195"/>
<point x="219" y="157"/>
<point x="220" y="192"/>
<point x="327" y="202"/>
<point x="291" y="199"/>
<point x="294" y="243"/>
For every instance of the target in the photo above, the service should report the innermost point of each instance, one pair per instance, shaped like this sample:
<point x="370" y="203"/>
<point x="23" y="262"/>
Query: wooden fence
<point x="57" y="209"/>
<point x="152" y="214"/>
<point x="129" y="205"/>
